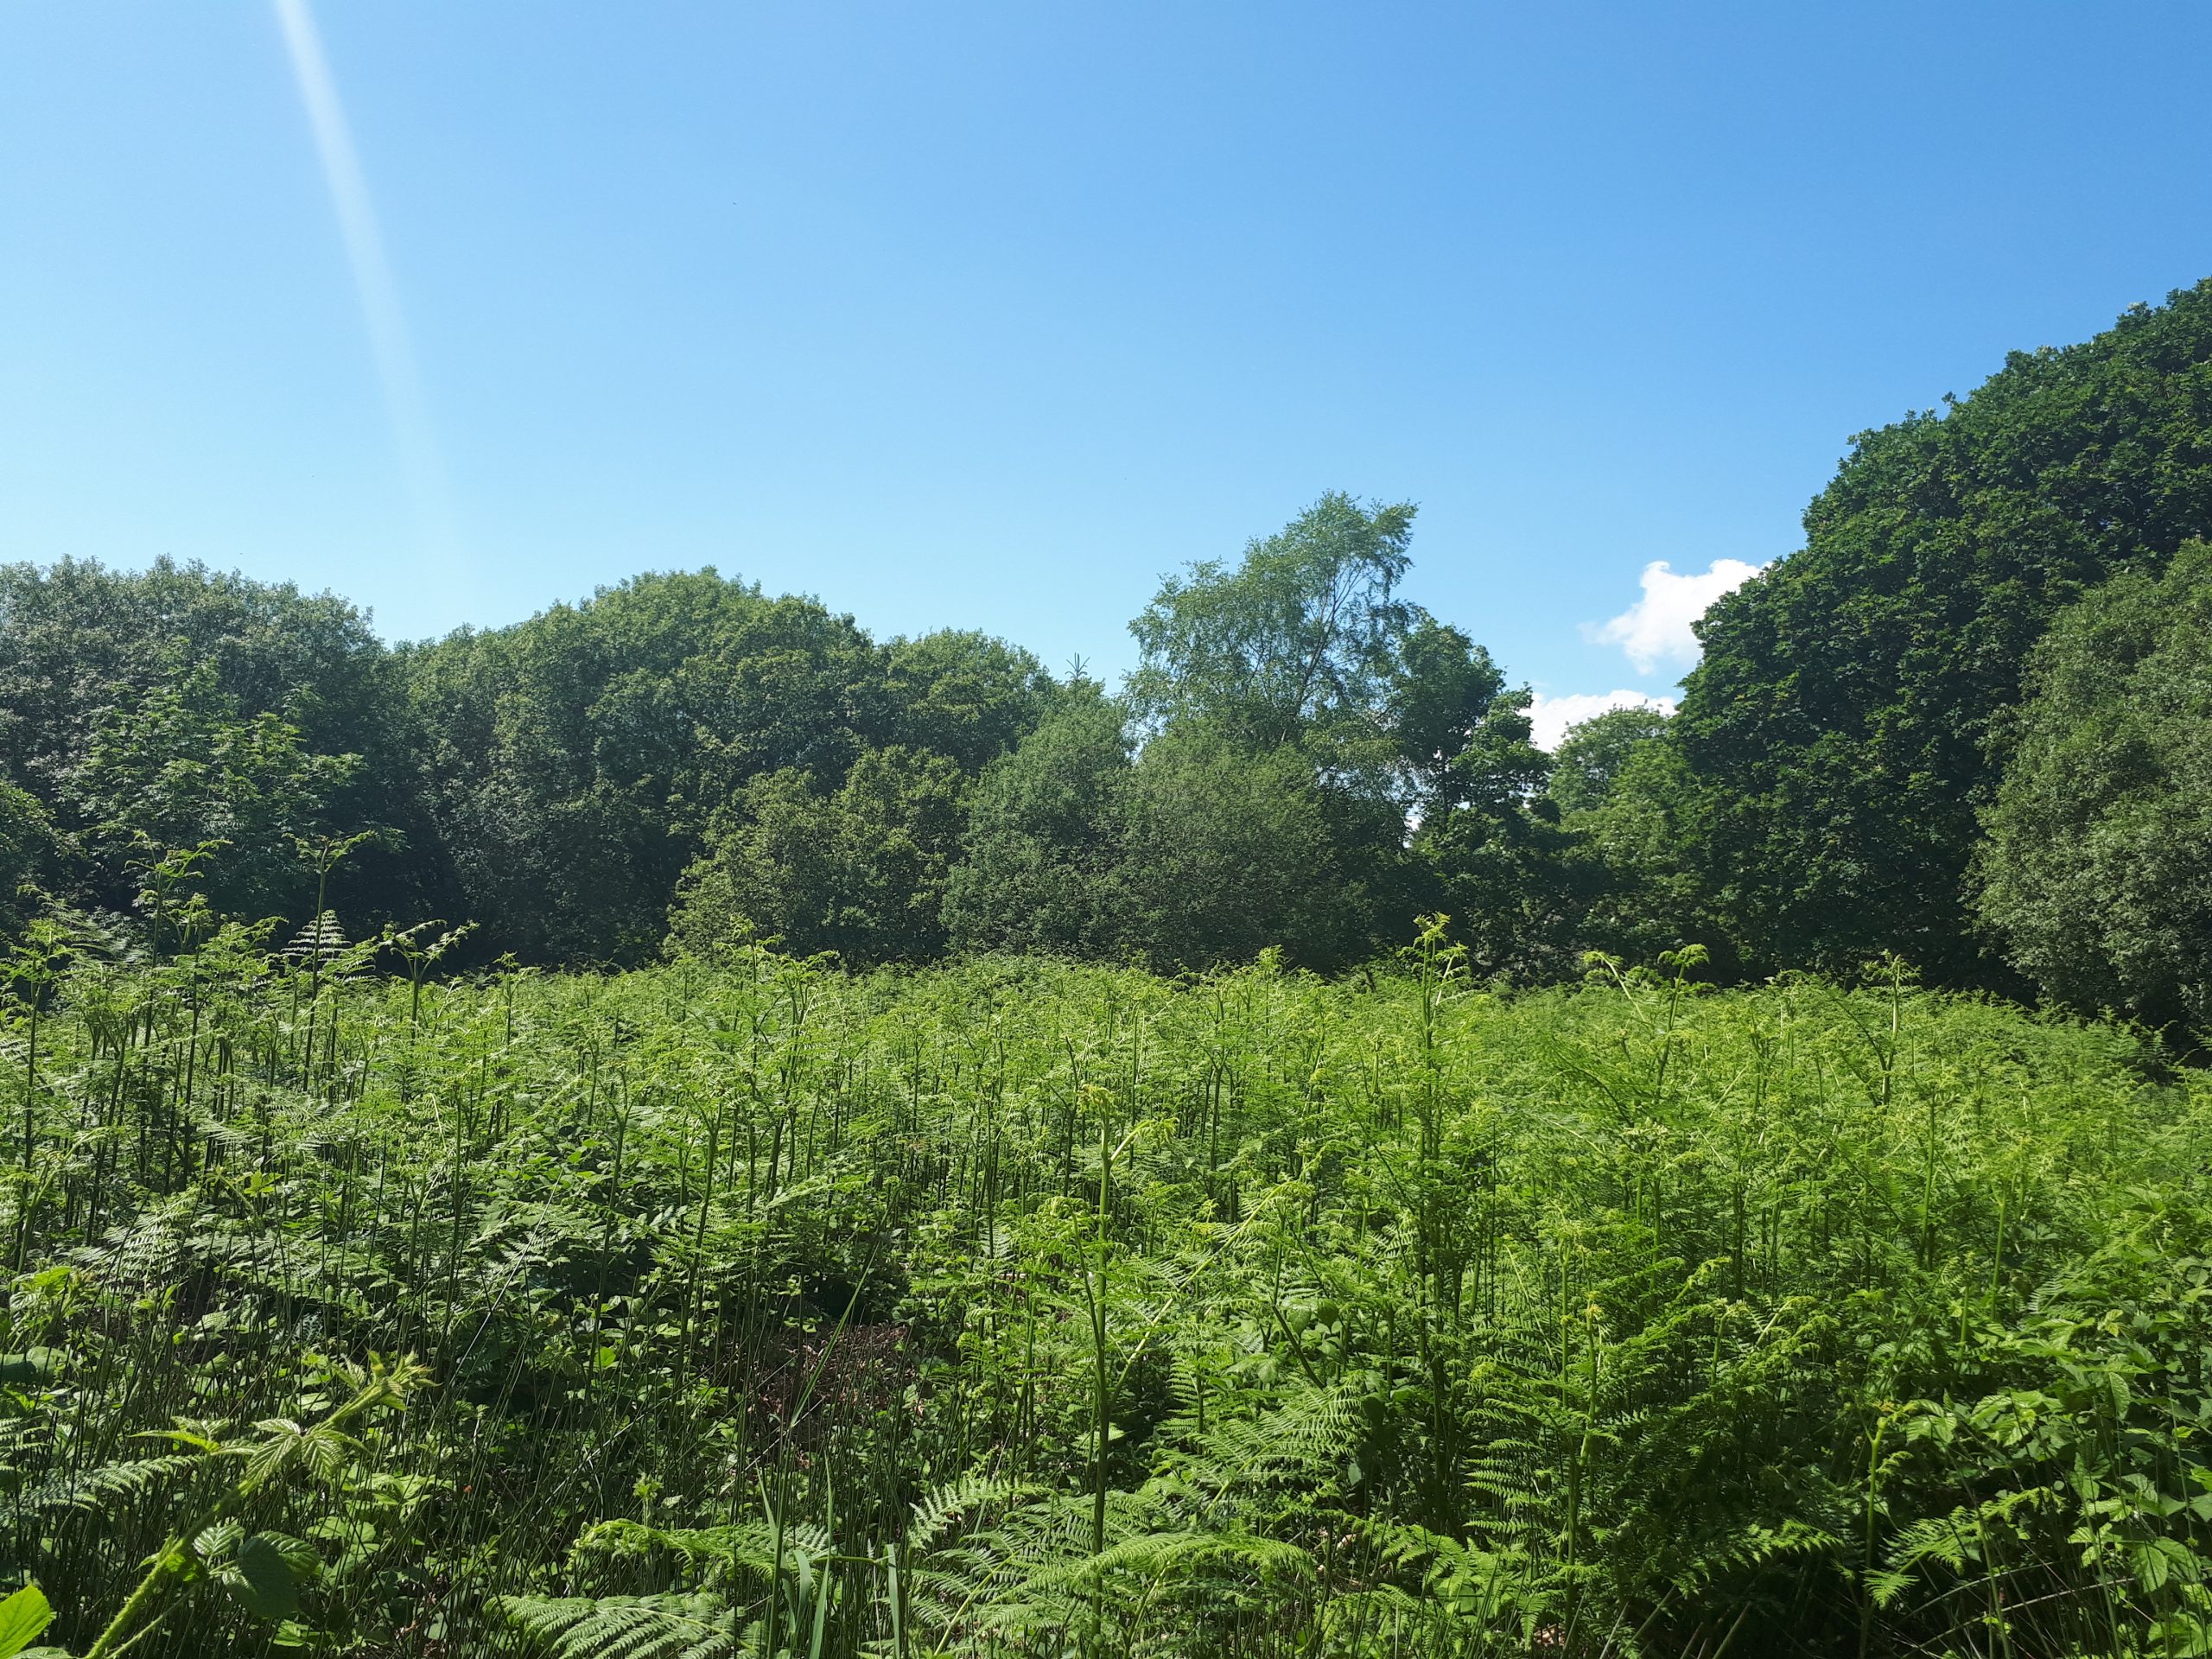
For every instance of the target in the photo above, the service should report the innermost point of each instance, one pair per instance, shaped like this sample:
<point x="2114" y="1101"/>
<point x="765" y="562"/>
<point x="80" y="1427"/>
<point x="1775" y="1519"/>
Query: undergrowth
<point x="1018" y="1308"/>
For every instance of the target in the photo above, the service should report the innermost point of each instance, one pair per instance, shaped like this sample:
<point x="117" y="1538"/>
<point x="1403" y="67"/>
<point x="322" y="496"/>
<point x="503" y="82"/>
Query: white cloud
<point x="1551" y="717"/>
<point x="1657" y="628"/>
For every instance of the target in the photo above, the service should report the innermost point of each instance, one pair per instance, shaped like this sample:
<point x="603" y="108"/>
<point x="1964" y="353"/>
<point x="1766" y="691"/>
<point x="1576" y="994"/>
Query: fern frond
<point x="750" y="1544"/>
<point x="628" y="1627"/>
<point x="1753" y="1546"/>
<point x="108" y="1485"/>
<point x="940" y="1508"/>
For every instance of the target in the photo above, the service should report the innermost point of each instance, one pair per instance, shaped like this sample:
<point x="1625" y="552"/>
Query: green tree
<point x="1447" y="698"/>
<point x="1491" y="839"/>
<point x="1593" y="753"/>
<point x="1305" y="649"/>
<point x="578" y="758"/>
<point x="1640" y="888"/>
<point x="1198" y="851"/>
<point x="1042" y="869"/>
<point x="1628" y="806"/>
<point x="580" y="761"/>
<point x="82" y="647"/>
<point x="2097" y="874"/>
<point x="964" y="695"/>
<point x="1301" y="640"/>
<point x="26" y="851"/>
<point x="1227" y="850"/>
<point x="1840" y="725"/>
<point x="859" y="870"/>
<point x="1486" y="846"/>
<point x="180" y="764"/>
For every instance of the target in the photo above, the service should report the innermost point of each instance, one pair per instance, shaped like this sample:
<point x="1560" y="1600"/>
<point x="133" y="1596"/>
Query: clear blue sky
<point x="988" y="314"/>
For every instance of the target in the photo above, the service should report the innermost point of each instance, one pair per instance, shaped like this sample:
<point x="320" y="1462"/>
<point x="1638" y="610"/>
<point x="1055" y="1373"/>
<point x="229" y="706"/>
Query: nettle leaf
<point x="32" y="1365"/>
<point x="23" y="1616"/>
<point x="263" y="1584"/>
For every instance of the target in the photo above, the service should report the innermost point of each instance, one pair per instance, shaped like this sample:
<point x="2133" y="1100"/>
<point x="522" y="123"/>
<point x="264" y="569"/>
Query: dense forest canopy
<point x="1301" y="759"/>
<point x="1840" y="727"/>
<point x="577" y="763"/>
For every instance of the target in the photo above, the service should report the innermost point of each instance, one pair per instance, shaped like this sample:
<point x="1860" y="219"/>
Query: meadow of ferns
<point x="1016" y="1308"/>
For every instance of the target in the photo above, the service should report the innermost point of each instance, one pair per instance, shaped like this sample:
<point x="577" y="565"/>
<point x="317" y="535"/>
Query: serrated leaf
<point x="265" y="1585"/>
<point x="2151" y="1566"/>
<point x="23" y="1616"/>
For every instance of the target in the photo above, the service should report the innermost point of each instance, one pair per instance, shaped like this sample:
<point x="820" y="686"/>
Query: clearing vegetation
<point x="747" y="1309"/>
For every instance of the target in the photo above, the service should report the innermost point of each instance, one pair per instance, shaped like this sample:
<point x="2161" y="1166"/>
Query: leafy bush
<point x="2098" y="871"/>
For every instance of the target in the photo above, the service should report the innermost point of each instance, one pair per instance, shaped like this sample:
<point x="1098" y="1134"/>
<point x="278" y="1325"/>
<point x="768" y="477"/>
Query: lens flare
<point x="387" y="325"/>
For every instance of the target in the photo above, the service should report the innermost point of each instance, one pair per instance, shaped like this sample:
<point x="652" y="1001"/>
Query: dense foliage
<point x="682" y="755"/>
<point x="1025" y="1309"/>
<point x="1301" y="758"/>
<point x="194" y="706"/>
<point x="2097" y="875"/>
<point x="1840" y="725"/>
<point x="578" y="763"/>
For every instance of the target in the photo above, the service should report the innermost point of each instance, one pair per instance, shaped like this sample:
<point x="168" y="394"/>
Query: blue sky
<point x="988" y="314"/>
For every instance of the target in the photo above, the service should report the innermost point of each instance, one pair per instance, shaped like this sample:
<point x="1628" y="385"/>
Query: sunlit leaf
<point x="23" y="1616"/>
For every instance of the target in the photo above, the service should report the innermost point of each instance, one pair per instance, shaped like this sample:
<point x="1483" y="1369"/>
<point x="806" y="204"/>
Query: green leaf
<point x="2151" y="1567"/>
<point x="33" y="1365"/>
<point x="22" y="1616"/>
<point x="265" y="1585"/>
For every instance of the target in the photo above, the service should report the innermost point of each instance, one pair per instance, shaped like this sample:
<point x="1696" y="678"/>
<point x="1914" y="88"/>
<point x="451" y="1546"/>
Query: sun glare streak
<point x="387" y="324"/>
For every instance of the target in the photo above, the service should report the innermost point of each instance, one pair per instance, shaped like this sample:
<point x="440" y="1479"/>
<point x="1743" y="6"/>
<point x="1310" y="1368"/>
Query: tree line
<point x="1967" y="724"/>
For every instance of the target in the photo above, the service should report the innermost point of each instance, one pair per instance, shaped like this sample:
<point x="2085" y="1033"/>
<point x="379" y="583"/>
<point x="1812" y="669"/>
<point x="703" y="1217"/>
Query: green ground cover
<point x="1024" y="1308"/>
